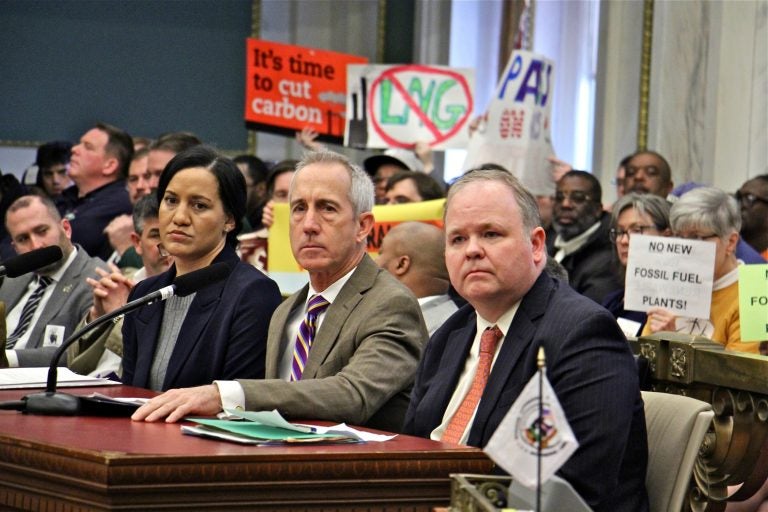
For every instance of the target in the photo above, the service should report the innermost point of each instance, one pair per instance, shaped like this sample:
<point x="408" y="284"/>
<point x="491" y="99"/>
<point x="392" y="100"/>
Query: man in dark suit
<point x="357" y="363"/>
<point x="33" y="222"/>
<point x="495" y="254"/>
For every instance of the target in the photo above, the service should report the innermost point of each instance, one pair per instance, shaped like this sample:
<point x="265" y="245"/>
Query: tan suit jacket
<point x="363" y="360"/>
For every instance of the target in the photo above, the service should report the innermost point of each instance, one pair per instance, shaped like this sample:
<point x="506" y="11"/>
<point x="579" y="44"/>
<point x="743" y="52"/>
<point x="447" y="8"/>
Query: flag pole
<point x="540" y="362"/>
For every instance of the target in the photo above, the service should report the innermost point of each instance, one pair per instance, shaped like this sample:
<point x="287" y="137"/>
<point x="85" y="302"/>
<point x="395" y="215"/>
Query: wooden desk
<point x="68" y="464"/>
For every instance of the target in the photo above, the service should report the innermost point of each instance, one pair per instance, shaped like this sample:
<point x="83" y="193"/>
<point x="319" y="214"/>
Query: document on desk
<point x="24" y="378"/>
<point x="269" y="427"/>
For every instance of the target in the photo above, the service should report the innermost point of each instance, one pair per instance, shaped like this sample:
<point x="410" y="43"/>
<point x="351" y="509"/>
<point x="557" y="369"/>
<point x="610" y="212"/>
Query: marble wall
<point x="708" y="112"/>
<point x="708" y="100"/>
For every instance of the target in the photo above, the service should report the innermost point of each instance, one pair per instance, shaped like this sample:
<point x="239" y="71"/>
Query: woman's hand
<point x="660" y="319"/>
<point x="109" y="292"/>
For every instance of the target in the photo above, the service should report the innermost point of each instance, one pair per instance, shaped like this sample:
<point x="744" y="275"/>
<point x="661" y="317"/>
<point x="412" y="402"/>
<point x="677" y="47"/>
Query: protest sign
<point x="290" y="276"/>
<point x="397" y="106"/>
<point x="753" y="302"/>
<point x="292" y="87"/>
<point x="670" y="273"/>
<point x="515" y="131"/>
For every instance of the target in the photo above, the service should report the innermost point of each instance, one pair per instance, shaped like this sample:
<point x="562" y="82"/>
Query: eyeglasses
<point x="618" y="234"/>
<point x="576" y="197"/>
<point x="747" y="199"/>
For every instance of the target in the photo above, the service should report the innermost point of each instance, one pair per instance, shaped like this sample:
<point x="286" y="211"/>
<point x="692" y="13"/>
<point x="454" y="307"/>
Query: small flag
<point x="514" y="445"/>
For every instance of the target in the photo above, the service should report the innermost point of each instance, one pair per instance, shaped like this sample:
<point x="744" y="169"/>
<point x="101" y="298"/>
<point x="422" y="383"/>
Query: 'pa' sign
<point x="397" y="106"/>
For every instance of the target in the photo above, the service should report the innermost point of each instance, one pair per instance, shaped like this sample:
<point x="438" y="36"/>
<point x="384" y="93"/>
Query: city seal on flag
<point x="515" y="444"/>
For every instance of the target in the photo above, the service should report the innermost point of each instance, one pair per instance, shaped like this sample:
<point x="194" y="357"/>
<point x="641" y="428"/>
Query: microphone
<point x="52" y="403"/>
<point x="31" y="261"/>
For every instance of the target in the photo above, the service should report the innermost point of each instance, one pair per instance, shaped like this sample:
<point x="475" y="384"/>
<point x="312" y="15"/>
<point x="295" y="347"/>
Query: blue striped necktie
<point x="28" y="311"/>
<point x="317" y="304"/>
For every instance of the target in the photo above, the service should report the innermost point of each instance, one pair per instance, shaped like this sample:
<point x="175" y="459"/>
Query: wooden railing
<point x="734" y="452"/>
<point x="733" y="460"/>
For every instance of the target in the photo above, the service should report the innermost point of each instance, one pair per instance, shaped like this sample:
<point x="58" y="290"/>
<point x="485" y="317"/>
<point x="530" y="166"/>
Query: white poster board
<point x="395" y="106"/>
<point x="515" y="132"/>
<point x="671" y="273"/>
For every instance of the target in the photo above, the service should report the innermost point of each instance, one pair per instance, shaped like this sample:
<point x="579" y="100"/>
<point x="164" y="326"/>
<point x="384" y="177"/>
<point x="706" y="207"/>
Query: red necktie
<point x="466" y="410"/>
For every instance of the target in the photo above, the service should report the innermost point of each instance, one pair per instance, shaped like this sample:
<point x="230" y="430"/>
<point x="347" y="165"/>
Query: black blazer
<point x="591" y="369"/>
<point x="223" y="336"/>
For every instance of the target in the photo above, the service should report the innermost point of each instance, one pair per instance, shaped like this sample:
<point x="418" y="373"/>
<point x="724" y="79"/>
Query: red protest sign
<point x="410" y="103"/>
<point x="292" y="87"/>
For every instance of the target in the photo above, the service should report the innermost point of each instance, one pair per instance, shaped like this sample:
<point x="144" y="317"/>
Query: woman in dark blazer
<point x="220" y="332"/>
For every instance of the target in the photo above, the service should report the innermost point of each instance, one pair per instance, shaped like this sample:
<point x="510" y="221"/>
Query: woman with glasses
<point x="708" y="213"/>
<point x="634" y="214"/>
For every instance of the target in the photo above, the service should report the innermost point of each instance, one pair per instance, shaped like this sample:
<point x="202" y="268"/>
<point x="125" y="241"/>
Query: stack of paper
<point x="22" y="378"/>
<point x="269" y="427"/>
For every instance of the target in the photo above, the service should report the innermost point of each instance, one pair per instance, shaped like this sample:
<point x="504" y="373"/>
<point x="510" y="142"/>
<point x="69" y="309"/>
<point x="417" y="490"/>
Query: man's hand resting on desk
<point x="175" y="404"/>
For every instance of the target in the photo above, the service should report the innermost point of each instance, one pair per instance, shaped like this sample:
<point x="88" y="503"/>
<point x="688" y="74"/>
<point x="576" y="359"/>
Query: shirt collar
<point x="332" y="291"/>
<point x="503" y="323"/>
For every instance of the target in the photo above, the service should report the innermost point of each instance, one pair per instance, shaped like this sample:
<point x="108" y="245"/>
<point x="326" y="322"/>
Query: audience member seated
<point x="345" y="347"/>
<point x="10" y="190"/>
<point x="220" y="331"/>
<point x="49" y="174"/>
<point x="143" y="177"/>
<point x="98" y="167"/>
<point x="647" y="172"/>
<point x="412" y="187"/>
<point x="752" y="197"/>
<point x="255" y="173"/>
<point x="633" y="214"/>
<point x="382" y="167"/>
<point x="414" y="252"/>
<point x="582" y="245"/>
<point x="43" y="307"/>
<point x="708" y="213"/>
<point x="253" y="246"/>
<point x="100" y="353"/>
<point x="476" y="365"/>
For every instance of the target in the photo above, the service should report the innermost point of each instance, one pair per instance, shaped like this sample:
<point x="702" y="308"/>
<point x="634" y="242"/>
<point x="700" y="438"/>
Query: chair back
<point x="676" y="427"/>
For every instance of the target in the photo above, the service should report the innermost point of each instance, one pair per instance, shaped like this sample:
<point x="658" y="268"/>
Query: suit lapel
<point x="148" y="321"/>
<point x="451" y="366"/>
<point x="516" y="343"/>
<point x="61" y="295"/>
<point x="350" y="295"/>
<point x="277" y="326"/>
<point x="192" y="329"/>
<point x="13" y="289"/>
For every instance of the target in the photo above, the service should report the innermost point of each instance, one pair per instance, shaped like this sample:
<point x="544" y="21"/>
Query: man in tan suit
<point x="358" y="364"/>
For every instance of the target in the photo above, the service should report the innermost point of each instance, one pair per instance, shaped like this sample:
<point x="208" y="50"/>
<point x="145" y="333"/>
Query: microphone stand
<point x="55" y="403"/>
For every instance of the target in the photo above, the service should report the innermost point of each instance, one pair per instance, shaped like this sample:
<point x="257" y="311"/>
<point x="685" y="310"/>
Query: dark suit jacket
<point x="223" y="335"/>
<point x="591" y="369"/>
<point x="69" y="302"/>
<point x="592" y="269"/>
<point x="363" y="359"/>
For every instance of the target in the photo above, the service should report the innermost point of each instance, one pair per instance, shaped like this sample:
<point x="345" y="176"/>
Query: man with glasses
<point x="753" y="200"/>
<point x="582" y="245"/>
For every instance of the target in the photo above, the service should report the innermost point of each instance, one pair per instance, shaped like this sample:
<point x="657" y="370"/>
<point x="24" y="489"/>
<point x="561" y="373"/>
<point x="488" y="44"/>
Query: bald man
<point x="414" y="252"/>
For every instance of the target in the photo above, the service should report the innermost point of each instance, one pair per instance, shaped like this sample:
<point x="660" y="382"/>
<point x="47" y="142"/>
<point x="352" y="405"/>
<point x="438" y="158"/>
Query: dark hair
<point x="175" y="142"/>
<point x="145" y="208"/>
<point x="427" y="187"/>
<point x="119" y="145"/>
<point x="54" y="152"/>
<point x="596" y="191"/>
<point x="279" y="168"/>
<point x="230" y="180"/>
<point x="257" y="169"/>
